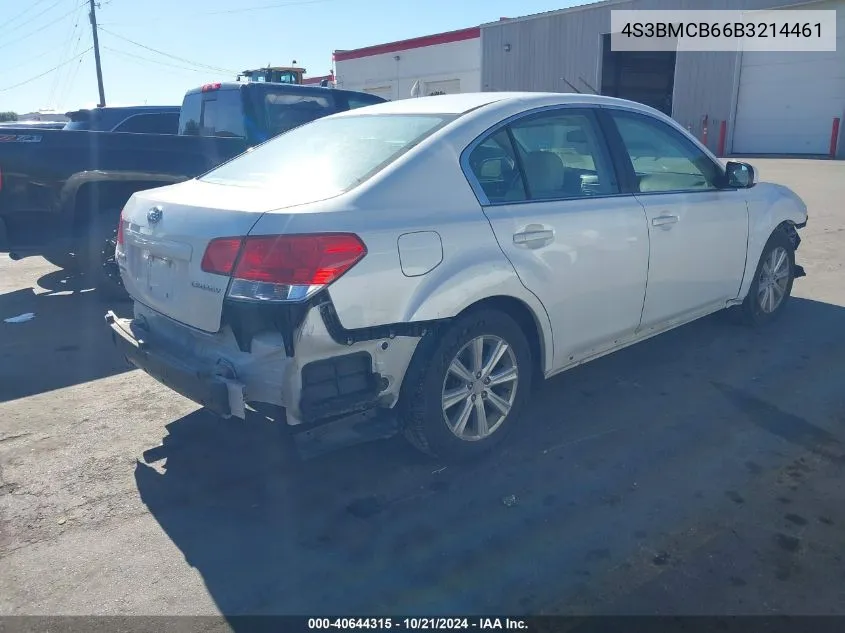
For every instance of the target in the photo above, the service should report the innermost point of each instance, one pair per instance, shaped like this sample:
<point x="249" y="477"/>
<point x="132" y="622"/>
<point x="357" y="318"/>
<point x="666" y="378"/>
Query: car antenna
<point x="584" y="81"/>
<point x="571" y="86"/>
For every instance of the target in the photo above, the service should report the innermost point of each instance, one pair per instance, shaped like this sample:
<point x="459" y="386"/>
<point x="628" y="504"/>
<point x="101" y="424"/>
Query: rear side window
<point x="283" y="111"/>
<point x="562" y="156"/>
<point x="159" y="123"/>
<point x="494" y="165"/>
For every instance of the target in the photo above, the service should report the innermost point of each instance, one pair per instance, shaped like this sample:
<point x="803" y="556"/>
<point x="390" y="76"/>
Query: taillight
<point x="282" y="267"/>
<point x="120" y="230"/>
<point x="220" y="255"/>
<point x="211" y="87"/>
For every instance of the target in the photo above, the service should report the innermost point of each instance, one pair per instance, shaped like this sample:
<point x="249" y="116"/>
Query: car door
<point x="698" y="230"/>
<point x="547" y="185"/>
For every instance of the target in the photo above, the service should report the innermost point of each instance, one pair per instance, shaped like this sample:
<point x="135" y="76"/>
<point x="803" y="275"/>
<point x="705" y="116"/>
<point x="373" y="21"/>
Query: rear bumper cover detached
<point x="215" y="392"/>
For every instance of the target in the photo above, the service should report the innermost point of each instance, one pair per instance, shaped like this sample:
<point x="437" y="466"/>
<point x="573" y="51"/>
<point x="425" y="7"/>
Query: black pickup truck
<point x="61" y="191"/>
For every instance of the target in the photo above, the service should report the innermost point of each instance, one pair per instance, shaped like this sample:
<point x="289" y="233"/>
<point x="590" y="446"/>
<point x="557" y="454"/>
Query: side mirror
<point x="740" y="175"/>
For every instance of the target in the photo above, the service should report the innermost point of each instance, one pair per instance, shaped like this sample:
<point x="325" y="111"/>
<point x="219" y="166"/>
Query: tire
<point x="769" y="293"/>
<point x="448" y="435"/>
<point x="99" y="264"/>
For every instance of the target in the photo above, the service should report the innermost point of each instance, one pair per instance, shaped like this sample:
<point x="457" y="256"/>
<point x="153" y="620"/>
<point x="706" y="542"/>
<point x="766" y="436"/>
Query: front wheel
<point x="772" y="285"/>
<point x="464" y="391"/>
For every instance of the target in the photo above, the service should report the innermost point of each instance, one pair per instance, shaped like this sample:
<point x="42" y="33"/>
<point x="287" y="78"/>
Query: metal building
<point x="772" y="102"/>
<point x="444" y="63"/>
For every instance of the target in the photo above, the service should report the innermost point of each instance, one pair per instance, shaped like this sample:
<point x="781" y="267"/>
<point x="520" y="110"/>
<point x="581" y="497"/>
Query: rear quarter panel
<point x="423" y="191"/>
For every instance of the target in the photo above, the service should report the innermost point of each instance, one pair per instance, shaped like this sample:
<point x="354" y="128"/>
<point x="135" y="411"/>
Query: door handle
<point x="664" y="220"/>
<point x="533" y="237"/>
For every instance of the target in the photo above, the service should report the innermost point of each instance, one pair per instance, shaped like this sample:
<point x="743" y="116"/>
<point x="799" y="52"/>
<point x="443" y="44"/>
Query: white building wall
<point x="450" y="67"/>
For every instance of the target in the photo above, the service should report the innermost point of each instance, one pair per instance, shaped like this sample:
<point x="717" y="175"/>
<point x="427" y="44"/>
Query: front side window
<point x="327" y="157"/>
<point x="662" y="158"/>
<point x="562" y="156"/>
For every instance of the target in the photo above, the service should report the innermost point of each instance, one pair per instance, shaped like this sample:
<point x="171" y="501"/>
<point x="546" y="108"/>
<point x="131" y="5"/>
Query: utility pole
<point x="93" y="16"/>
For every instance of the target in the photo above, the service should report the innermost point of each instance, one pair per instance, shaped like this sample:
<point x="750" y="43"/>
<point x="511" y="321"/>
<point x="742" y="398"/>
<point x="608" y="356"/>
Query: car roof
<point x="464" y="102"/>
<point x="144" y="109"/>
<point x="276" y="87"/>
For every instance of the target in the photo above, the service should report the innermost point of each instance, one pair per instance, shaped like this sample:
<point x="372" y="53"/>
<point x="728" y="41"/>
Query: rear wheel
<point x="465" y="390"/>
<point x="96" y="257"/>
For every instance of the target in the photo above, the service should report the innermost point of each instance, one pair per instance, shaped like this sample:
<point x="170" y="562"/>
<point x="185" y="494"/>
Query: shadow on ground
<point x="637" y="452"/>
<point x="66" y="343"/>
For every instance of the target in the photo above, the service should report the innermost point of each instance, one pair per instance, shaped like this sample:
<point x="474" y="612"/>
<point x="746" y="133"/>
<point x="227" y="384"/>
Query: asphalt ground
<point x="699" y="472"/>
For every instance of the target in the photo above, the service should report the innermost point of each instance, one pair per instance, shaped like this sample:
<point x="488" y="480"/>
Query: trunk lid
<point x="165" y="235"/>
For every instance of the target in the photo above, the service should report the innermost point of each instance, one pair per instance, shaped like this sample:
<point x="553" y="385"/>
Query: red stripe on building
<point x="404" y="45"/>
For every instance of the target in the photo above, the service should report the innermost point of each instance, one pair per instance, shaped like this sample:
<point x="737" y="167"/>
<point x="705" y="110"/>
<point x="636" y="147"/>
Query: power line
<point x="278" y="5"/>
<point x="28" y="35"/>
<point x="205" y="14"/>
<point x="65" y="86"/>
<point x="46" y="72"/>
<point x="135" y="57"/>
<point x="181" y="59"/>
<point x="25" y="11"/>
<point x="36" y="16"/>
<point x="66" y="48"/>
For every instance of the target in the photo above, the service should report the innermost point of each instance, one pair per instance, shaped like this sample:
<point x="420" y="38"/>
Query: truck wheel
<point x="465" y="390"/>
<point x="100" y="264"/>
<point x="772" y="285"/>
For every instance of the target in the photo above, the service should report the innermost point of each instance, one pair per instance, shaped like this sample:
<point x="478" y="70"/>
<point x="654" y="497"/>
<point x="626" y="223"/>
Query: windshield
<point x="329" y="156"/>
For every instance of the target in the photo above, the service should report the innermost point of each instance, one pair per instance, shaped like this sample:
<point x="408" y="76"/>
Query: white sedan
<point x="434" y="257"/>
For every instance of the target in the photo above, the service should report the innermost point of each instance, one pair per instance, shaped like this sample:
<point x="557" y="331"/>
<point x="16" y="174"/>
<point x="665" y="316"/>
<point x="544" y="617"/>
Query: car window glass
<point x="285" y="111"/>
<point x="327" y="157"/>
<point x="189" y="116"/>
<point x="494" y="166"/>
<point x="562" y="156"/>
<point x="159" y="123"/>
<point x="359" y="100"/>
<point x="222" y="114"/>
<point x="662" y="158"/>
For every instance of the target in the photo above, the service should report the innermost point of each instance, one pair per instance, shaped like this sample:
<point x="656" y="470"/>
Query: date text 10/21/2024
<point x="412" y="624"/>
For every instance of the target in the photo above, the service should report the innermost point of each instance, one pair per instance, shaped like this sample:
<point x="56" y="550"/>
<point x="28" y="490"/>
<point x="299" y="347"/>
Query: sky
<point x="47" y="62"/>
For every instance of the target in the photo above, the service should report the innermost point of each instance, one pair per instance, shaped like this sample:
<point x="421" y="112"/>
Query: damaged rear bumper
<point x="308" y="366"/>
<point x="221" y="395"/>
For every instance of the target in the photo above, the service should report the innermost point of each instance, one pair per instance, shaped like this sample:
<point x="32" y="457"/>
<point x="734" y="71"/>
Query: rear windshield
<point x="215" y="113"/>
<point x="282" y="111"/>
<point x="329" y="156"/>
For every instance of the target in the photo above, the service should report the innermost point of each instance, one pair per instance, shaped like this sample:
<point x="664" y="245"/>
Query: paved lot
<point x="699" y="472"/>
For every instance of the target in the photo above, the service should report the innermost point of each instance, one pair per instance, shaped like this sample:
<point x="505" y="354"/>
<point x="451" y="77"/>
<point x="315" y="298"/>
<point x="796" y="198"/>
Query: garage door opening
<point x="647" y="77"/>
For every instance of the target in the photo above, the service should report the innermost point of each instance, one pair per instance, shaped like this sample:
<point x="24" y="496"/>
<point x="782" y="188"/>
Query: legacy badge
<point x="206" y="287"/>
